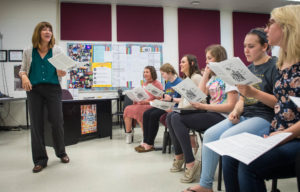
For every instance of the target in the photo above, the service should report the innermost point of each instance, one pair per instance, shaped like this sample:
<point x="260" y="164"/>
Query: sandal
<point x="142" y="150"/>
<point x="138" y="148"/>
<point x="190" y="190"/>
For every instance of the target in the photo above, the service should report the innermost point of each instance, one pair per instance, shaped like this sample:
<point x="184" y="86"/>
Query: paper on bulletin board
<point x="98" y="55"/>
<point x="102" y="75"/>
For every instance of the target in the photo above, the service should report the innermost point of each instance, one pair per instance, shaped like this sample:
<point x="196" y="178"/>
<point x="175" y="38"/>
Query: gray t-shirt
<point x="267" y="72"/>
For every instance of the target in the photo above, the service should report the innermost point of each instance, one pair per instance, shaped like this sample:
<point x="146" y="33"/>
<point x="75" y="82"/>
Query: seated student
<point x="249" y="114"/>
<point x="223" y="97"/>
<point x="152" y="115"/>
<point x="283" y="30"/>
<point x="135" y="111"/>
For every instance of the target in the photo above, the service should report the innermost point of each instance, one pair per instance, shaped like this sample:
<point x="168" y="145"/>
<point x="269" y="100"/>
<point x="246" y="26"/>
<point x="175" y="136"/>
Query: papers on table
<point x="234" y="72"/>
<point x="246" y="147"/>
<point x="137" y="94"/>
<point x="295" y="100"/>
<point x="190" y="91"/>
<point x="62" y="62"/>
<point x="154" y="90"/>
<point x="164" y="105"/>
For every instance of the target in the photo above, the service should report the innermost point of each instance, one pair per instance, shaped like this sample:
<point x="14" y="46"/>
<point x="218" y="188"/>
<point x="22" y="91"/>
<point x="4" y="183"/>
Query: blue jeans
<point x="225" y="128"/>
<point x="277" y="163"/>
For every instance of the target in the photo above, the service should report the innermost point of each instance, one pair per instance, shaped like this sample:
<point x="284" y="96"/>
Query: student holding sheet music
<point x="152" y="115"/>
<point x="283" y="30"/>
<point x="41" y="82"/>
<point x="249" y="114"/>
<point x="136" y="111"/>
<point x="222" y="100"/>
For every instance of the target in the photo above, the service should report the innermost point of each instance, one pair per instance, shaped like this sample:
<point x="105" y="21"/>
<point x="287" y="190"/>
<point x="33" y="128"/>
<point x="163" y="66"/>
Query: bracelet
<point x="172" y="99"/>
<point x="163" y="96"/>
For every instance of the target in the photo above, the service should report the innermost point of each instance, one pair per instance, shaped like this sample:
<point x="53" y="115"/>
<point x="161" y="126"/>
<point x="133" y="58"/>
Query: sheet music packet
<point x="154" y="90"/>
<point x="62" y="62"/>
<point x="295" y="100"/>
<point x="164" y="105"/>
<point x="234" y="72"/>
<point x="246" y="147"/>
<point x="137" y="94"/>
<point x="190" y="91"/>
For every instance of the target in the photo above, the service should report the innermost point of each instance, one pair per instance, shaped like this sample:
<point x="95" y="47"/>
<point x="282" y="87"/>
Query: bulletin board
<point x="111" y="66"/>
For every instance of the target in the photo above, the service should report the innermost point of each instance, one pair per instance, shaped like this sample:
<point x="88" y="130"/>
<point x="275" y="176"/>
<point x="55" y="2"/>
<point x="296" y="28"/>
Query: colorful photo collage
<point x="81" y="78"/>
<point x="80" y="52"/>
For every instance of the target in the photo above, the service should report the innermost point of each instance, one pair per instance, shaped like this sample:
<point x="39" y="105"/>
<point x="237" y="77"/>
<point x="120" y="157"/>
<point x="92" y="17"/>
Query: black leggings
<point x="151" y="124"/>
<point x="180" y="124"/>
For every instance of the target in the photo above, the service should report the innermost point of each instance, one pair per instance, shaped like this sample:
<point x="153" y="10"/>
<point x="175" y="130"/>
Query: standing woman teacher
<point x="41" y="83"/>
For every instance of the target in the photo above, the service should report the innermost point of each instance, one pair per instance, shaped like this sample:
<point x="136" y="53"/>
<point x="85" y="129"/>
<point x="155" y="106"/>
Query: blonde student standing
<point x="223" y="97"/>
<point x="250" y="114"/>
<point x="136" y="111"/>
<point x="41" y="83"/>
<point x="283" y="30"/>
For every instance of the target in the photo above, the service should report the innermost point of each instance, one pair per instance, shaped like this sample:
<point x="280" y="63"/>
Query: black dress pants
<point x="49" y="95"/>
<point x="151" y="124"/>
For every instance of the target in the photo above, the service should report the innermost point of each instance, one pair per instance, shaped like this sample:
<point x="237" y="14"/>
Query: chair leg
<point x="170" y="142"/>
<point x="274" y="186"/>
<point x="165" y="142"/>
<point x="220" y="175"/>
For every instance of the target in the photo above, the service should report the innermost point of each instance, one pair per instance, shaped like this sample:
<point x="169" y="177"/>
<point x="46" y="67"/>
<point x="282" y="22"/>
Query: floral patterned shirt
<point x="288" y="84"/>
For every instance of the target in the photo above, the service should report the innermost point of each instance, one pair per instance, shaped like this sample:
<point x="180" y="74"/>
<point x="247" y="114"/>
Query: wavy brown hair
<point x="193" y="65"/>
<point x="36" y="37"/>
<point x="217" y="51"/>
<point x="152" y="71"/>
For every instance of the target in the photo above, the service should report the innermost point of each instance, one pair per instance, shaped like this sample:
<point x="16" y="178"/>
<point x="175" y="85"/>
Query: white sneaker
<point x="129" y="137"/>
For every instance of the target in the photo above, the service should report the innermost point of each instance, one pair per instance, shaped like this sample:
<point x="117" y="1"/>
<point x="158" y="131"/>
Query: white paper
<point x="154" y="90"/>
<point x="102" y="76"/>
<point x="135" y="50"/>
<point x="190" y="91"/>
<point x="62" y="62"/>
<point x="234" y="72"/>
<point x="295" y="100"/>
<point x="164" y="105"/>
<point x="246" y="147"/>
<point x="137" y="94"/>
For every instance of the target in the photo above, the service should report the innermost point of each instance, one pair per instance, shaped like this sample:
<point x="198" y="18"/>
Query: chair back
<point x="66" y="95"/>
<point x="163" y="118"/>
<point x="127" y="101"/>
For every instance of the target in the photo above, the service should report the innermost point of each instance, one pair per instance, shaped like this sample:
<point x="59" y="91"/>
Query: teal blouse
<point x="41" y="70"/>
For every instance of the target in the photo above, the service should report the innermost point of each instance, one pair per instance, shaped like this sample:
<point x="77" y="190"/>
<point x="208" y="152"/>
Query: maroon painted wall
<point x="197" y="29"/>
<point x="242" y="24"/>
<point x="140" y="24"/>
<point x="85" y="22"/>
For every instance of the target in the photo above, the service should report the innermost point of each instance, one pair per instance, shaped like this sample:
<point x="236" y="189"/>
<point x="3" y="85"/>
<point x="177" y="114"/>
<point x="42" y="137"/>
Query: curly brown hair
<point x="152" y="71"/>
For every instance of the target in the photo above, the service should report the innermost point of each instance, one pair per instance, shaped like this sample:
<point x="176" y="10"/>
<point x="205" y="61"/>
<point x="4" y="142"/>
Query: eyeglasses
<point x="271" y="21"/>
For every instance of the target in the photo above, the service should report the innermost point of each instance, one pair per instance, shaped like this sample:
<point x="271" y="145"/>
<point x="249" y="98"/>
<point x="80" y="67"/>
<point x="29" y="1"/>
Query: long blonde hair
<point x="288" y="17"/>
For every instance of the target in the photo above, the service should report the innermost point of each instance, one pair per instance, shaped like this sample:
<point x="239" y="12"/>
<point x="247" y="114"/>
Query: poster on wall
<point x="88" y="119"/>
<point x="101" y="74"/>
<point x="17" y="80"/>
<point x="80" y="52"/>
<point x="81" y="77"/>
<point x="127" y="62"/>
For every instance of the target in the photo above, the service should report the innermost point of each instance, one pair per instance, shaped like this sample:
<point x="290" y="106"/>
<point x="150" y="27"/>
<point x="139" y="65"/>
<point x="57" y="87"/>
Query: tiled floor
<point x="96" y="165"/>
